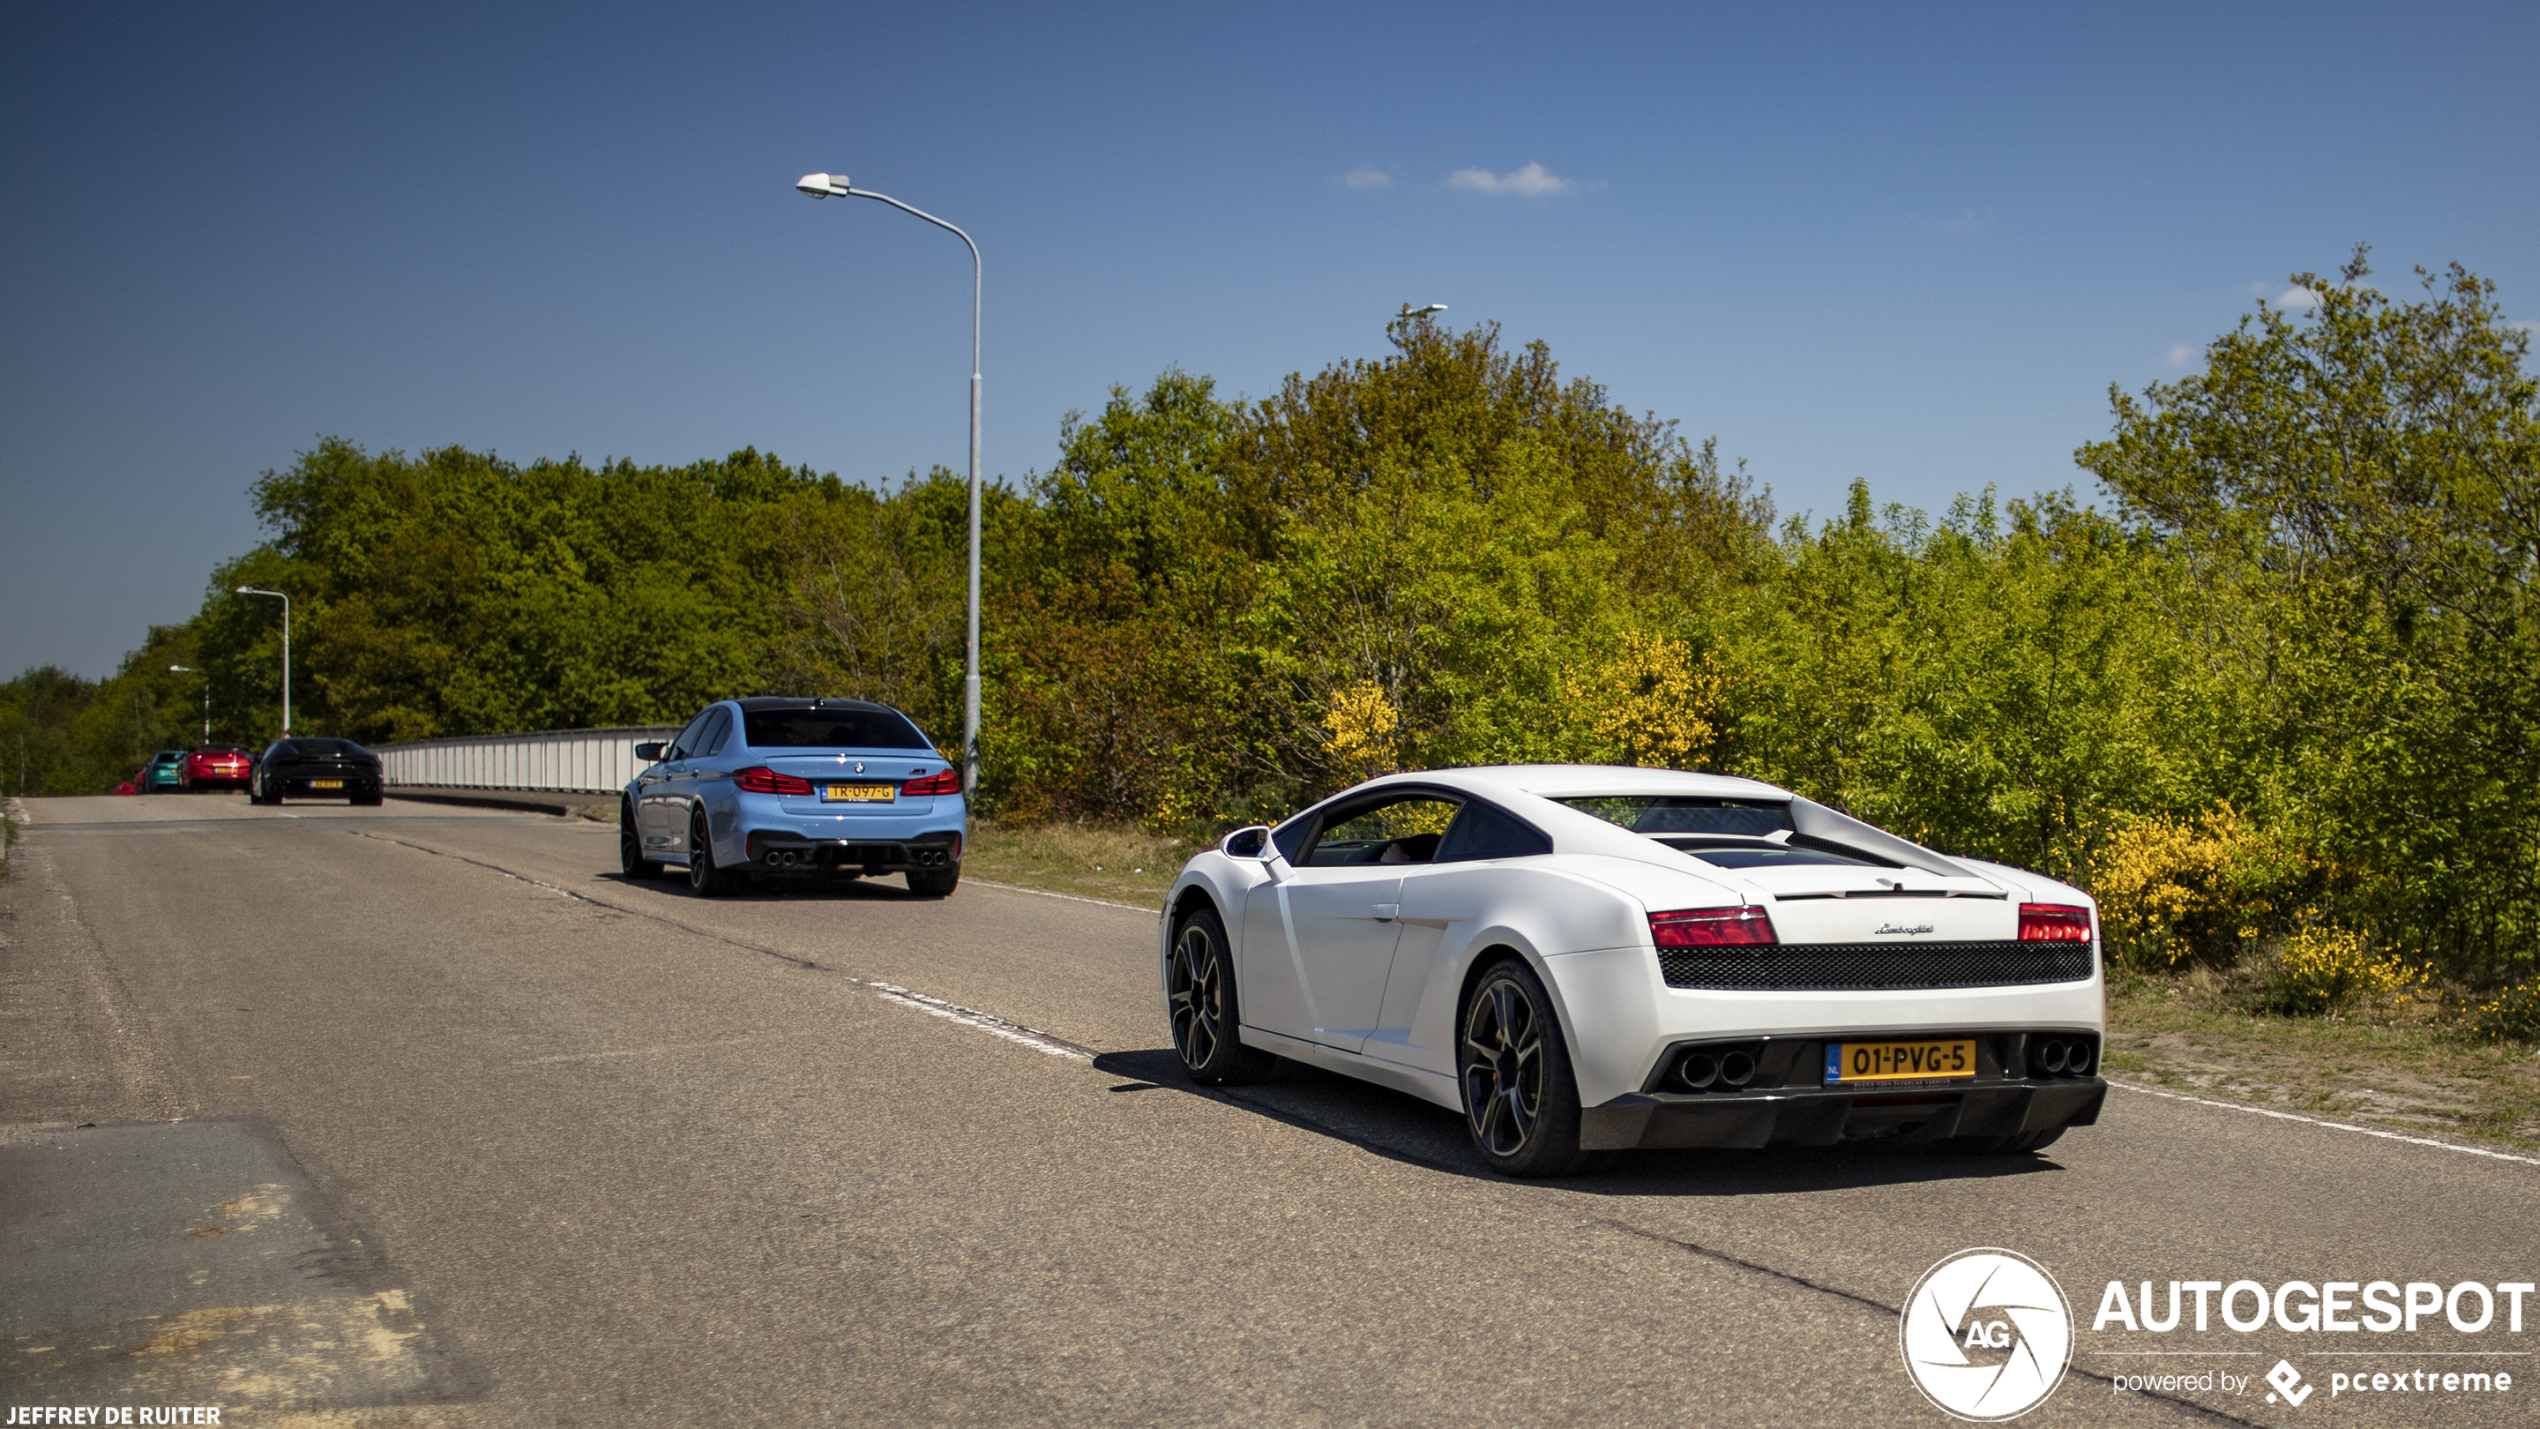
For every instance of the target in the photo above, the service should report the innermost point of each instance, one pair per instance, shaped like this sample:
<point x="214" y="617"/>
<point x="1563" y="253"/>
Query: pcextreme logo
<point x="1986" y="1334"/>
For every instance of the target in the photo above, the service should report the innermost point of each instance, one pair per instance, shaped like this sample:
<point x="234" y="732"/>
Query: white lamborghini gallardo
<point x="1583" y="958"/>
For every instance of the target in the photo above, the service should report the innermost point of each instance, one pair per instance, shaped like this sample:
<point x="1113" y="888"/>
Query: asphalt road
<point x="422" y="1114"/>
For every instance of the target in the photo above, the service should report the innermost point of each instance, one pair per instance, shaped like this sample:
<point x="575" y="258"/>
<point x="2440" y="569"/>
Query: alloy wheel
<point x="1503" y="1066"/>
<point x="1197" y="995"/>
<point x="700" y="854"/>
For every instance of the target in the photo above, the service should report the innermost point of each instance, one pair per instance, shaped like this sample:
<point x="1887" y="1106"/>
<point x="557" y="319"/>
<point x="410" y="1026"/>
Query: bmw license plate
<point x="855" y="793"/>
<point x="1900" y="1061"/>
<point x="326" y="783"/>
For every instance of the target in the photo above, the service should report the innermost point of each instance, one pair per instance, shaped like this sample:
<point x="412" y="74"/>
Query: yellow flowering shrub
<point x="1359" y="732"/>
<point x="2515" y="1015"/>
<point x="2324" y="969"/>
<point x="2172" y="889"/>
<point x="1653" y="703"/>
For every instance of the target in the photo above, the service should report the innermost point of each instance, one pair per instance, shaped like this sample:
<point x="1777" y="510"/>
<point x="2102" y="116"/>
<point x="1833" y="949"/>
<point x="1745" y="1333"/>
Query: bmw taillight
<point x="2054" y="923"/>
<point x="759" y="779"/>
<point x="933" y="785"/>
<point x="1711" y="928"/>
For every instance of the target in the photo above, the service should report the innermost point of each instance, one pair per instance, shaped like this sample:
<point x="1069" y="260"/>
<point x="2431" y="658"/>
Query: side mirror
<point x="1250" y="841"/>
<point x="649" y="751"/>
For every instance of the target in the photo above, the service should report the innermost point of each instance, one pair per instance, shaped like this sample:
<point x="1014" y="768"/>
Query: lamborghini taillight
<point x="1711" y="927"/>
<point x="2054" y="923"/>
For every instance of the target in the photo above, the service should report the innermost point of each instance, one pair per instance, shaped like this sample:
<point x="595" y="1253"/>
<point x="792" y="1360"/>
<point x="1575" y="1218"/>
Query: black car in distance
<point x="306" y="768"/>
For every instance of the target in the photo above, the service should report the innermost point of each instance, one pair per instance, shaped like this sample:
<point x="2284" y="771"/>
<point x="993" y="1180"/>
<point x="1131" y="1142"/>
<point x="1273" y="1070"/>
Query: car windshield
<point x="831" y="727"/>
<point x="1685" y="814"/>
<point x="324" y="749"/>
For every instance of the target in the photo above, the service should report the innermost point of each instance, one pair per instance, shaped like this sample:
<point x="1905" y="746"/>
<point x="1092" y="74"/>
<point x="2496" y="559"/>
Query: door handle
<point x="1387" y="912"/>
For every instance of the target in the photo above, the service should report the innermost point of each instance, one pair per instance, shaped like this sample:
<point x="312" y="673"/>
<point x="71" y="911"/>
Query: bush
<point x="2173" y="890"/>
<point x="2514" y="1016"/>
<point x="2321" y="969"/>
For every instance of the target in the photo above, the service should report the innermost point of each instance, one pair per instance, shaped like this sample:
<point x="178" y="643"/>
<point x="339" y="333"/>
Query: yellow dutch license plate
<point x="1900" y="1061"/>
<point x="326" y="783"/>
<point x="855" y="793"/>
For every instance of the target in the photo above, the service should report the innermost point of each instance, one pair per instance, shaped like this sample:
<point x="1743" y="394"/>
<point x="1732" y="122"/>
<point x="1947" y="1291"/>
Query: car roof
<point x="756" y="703"/>
<point x="1583" y="781"/>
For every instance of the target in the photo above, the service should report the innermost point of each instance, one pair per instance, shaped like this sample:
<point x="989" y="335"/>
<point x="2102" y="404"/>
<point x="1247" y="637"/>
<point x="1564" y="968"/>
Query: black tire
<point x="1521" y="1101"/>
<point x="369" y="801"/>
<point x="1200" y="997"/>
<point x="260" y="794"/>
<point x="630" y="846"/>
<point x="704" y="879"/>
<point x="934" y="882"/>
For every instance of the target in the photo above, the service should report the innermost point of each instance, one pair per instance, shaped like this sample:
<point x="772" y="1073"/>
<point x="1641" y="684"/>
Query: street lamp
<point x="286" y="649"/>
<point x="207" y="696"/>
<point x="836" y="186"/>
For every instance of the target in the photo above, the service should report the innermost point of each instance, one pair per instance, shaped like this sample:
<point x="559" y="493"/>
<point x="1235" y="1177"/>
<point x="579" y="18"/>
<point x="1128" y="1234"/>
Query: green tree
<point x="2356" y="494"/>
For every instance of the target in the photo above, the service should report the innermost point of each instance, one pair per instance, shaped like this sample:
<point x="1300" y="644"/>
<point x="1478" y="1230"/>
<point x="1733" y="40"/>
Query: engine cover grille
<point x="1836" y="967"/>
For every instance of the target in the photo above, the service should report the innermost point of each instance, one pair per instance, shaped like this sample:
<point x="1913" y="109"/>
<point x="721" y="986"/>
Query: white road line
<point x="927" y="1003"/>
<point x="1070" y="897"/>
<point x="976" y="1020"/>
<point x="2331" y="1125"/>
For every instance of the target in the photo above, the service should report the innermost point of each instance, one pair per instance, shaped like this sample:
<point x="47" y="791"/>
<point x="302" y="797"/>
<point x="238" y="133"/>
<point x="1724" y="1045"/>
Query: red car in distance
<point x="216" y="766"/>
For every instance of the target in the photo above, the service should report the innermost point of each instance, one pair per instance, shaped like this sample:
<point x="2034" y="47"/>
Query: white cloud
<point x="1963" y="223"/>
<point x="1532" y="181"/>
<point x="1364" y="177"/>
<point x="2182" y="354"/>
<point x="2297" y="298"/>
<point x="2526" y="324"/>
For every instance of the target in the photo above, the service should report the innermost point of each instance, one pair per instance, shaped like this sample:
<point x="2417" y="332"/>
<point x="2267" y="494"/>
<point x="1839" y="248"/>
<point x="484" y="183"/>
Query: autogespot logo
<point x="1987" y="1334"/>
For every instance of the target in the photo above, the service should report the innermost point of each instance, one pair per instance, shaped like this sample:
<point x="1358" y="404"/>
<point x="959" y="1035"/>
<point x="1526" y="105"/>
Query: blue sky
<point x="1913" y="244"/>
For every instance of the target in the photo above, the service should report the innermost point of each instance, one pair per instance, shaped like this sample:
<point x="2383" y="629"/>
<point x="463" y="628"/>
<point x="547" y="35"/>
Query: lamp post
<point x="286" y="649"/>
<point x="836" y="186"/>
<point x="207" y="696"/>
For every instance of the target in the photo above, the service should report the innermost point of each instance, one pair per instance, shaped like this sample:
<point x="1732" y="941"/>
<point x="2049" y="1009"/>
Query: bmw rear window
<point x="808" y="728"/>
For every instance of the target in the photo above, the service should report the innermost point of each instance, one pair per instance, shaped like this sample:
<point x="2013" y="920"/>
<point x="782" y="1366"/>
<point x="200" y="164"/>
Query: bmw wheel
<point x="1521" y="1103"/>
<point x="1200" y="997"/>
<point x="934" y="882"/>
<point x="708" y="880"/>
<point x="630" y="846"/>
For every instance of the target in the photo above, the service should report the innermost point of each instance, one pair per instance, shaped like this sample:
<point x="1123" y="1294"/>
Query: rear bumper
<point x="1824" y="1116"/>
<point x="347" y="786"/>
<point x="780" y="855"/>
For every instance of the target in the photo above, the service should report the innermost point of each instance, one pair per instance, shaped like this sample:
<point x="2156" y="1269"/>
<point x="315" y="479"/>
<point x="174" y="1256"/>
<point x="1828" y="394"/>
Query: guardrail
<point x="548" y="761"/>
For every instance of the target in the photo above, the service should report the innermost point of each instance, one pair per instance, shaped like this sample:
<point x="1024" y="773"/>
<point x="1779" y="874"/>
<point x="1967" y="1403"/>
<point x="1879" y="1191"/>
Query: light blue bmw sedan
<point x="773" y="788"/>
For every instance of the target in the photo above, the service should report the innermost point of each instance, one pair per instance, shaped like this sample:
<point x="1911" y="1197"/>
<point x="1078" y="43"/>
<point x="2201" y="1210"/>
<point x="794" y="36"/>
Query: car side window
<point x="1290" y="839"/>
<point x="1484" y="832"/>
<point x="718" y="729"/>
<point x="686" y="744"/>
<point x="1403" y="828"/>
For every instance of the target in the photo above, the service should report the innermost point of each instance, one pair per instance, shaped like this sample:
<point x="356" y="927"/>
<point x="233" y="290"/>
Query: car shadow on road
<point x="674" y="884"/>
<point x="1403" y="1128"/>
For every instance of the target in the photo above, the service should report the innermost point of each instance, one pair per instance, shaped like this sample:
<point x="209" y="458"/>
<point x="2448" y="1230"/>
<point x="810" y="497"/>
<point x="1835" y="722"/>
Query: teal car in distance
<point x="164" y="772"/>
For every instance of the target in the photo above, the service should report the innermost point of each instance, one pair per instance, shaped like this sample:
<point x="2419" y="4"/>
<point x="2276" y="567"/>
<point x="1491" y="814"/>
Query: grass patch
<point x="2403" y="1062"/>
<point x="1122" y="864"/>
